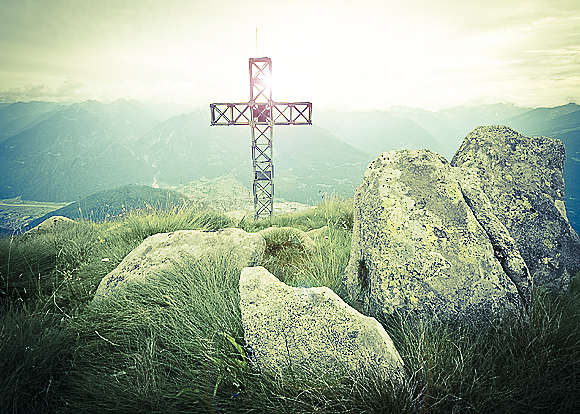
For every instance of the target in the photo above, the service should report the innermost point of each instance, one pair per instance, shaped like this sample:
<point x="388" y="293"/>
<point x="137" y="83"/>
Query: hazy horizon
<point x="206" y="107"/>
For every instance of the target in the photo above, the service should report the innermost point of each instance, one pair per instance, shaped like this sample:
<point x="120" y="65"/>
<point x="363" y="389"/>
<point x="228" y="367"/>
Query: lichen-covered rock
<point x="163" y="250"/>
<point x="523" y="179"/>
<point x="417" y="247"/>
<point x="310" y="336"/>
<point x="504" y="246"/>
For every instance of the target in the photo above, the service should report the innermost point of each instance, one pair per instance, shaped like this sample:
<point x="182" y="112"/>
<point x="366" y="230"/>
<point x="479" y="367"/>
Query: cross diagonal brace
<point x="283" y="113"/>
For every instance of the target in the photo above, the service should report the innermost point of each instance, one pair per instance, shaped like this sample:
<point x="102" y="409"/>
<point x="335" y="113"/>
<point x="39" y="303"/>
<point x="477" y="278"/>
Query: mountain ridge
<point x="63" y="153"/>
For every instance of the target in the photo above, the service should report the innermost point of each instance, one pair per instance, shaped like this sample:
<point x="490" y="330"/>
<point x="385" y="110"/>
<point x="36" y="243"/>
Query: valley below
<point x="16" y="213"/>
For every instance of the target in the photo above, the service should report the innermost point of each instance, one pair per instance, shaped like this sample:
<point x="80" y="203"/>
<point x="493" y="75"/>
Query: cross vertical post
<point x="262" y="135"/>
<point x="261" y="113"/>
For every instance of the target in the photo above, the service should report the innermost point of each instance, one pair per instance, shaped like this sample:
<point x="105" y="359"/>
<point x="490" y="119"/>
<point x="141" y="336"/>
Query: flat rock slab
<point x="417" y="246"/>
<point x="523" y="178"/>
<point x="310" y="336"/>
<point x="162" y="251"/>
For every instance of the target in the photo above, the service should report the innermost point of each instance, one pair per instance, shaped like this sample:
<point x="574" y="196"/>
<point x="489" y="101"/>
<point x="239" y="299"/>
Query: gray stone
<point x="417" y="246"/>
<point x="504" y="245"/>
<point x="523" y="179"/>
<point x="310" y="336"/>
<point x="161" y="251"/>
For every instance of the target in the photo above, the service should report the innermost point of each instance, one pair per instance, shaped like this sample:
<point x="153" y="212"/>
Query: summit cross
<point x="261" y="113"/>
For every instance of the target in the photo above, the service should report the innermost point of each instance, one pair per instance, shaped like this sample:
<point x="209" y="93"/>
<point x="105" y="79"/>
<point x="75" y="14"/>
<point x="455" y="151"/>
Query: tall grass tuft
<point x="172" y="347"/>
<point x="335" y="212"/>
<point x="140" y="224"/>
<point x="36" y="347"/>
<point x="288" y="260"/>
<point x="514" y="366"/>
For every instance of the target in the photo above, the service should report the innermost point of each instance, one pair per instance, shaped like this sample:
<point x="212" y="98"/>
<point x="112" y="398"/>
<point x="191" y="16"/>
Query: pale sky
<point x="338" y="54"/>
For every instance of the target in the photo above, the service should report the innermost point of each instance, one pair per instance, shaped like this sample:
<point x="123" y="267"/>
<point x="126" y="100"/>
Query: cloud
<point x="374" y="54"/>
<point x="70" y="90"/>
<point x="70" y="87"/>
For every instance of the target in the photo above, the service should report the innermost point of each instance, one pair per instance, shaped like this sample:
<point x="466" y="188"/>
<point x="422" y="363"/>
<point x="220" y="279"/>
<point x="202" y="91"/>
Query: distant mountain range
<point x="54" y="152"/>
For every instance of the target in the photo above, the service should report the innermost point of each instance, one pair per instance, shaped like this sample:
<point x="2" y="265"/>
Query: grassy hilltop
<point x="179" y="348"/>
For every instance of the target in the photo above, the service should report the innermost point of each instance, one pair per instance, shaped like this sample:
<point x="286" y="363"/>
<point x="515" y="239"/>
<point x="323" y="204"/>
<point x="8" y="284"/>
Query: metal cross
<point x="261" y="113"/>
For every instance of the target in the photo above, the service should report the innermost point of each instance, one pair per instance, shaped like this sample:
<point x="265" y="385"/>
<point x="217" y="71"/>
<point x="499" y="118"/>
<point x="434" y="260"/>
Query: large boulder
<point x="418" y="248"/>
<point x="161" y="251"/>
<point x="310" y="336"/>
<point x="523" y="179"/>
<point x="504" y="246"/>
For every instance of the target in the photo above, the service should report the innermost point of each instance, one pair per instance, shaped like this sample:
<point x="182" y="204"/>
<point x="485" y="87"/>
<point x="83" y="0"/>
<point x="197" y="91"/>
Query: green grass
<point x="179" y="347"/>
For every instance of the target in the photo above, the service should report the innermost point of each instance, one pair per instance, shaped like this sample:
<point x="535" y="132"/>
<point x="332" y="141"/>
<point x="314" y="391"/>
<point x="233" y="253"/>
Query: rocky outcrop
<point x="522" y="177"/>
<point x="51" y="224"/>
<point x="418" y="247"/>
<point x="310" y="336"/>
<point x="458" y="241"/>
<point x="162" y="251"/>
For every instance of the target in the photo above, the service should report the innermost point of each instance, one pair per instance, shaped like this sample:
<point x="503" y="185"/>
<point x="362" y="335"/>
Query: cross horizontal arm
<point x="292" y="113"/>
<point x="230" y="113"/>
<point x="244" y="113"/>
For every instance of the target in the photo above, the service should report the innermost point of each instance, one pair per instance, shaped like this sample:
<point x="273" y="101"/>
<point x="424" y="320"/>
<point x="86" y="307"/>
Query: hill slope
<point x="109" y="204"/>
<point x="63" y="153"/>
<point x="15" y="117"/>
<point x="308" y="160"/>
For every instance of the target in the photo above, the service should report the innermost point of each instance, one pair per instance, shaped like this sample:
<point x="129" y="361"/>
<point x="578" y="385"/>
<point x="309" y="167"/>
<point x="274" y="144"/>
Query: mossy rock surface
<point x="417" y="246"/>
<point x="524" y="180"/>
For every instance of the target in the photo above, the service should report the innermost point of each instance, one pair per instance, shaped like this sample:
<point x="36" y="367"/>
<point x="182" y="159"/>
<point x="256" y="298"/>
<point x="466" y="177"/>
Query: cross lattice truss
<point x="261" y="113"/>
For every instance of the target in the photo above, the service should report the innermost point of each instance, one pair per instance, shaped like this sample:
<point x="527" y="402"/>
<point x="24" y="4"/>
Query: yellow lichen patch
<point x="472" y="224"/>
<point x="408" y="202"/>
<point x="430" y="237"/>
<point x="526" y="203"/>
<point x="433" y="265"/>
<point x="385" y="176"/>
<point x="395" y="218"/>
<point x="551" y="230"/>
<point x="561" y="208"/>
<point x="467" y="253"/>
<point x="548" y="244"/>
<point x="417" y="231"/>
<point x="454" y="192"/>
